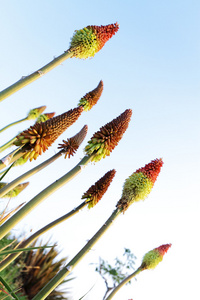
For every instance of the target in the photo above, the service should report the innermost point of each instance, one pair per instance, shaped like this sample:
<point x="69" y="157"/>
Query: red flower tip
<point x="104" y="32"/>
<point x="163" y="249"/>
<point x="152" y="169"/>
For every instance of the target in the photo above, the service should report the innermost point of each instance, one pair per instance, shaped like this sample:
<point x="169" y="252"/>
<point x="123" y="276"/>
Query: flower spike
<point x="96" y="191"/>
<point x="138" y="186"/>
<point x="91" y="98"/>
<point x="107" y="138"/>
<point x="152" y="258"/>
<point x="88" y="41"/>
<point x="71" y="145"/>
<point x="40" y="136"/>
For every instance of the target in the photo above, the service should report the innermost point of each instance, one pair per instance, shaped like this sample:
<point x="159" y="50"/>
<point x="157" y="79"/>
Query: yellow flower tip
<point x="15" y="191"/>
<point x="139" y="185"/>
<point x="96" y="191"/>
<point x="152" y="258"/>
<point x="35" y="112"/>
<point x="72" y="144"/>
<point x="45" y="117"/>
<point x="41" y="135"/>
<point x="91" y="98"/>
<point x="107" y="138"/>
<point x="88" y="41"/>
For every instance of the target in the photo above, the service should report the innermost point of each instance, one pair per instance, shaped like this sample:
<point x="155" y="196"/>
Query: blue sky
<point x="151" y="66"/>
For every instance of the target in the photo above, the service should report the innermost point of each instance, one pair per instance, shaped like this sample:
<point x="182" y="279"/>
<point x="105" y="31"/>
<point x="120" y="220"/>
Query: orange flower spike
<point x="72" y="144"/>
<point x="107" y="138"/>
<point x="42" y="135"/>
<point x="96" y="191"/>
<point x="88" y="41"/>
<point x="91" y="98"/>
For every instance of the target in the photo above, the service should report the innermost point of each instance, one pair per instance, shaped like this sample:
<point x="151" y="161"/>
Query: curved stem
<point x="37" y="74"/>
<point x="59" y="277"/>
<point x="12" y="124"/>
<point x="26" y="175"/>
<point x="27" y="208"/>
<point x="8" y="144"/>
<point x="34" y="236"/>
<point x="126" y="280"/>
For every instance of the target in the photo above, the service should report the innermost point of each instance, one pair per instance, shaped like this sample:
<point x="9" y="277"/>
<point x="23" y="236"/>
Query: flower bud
<point x="138" y="186"/>
<point x="152" y="258"/>
<point x="88" y="41"/>
<point x="71" y="145"/>
<point x="35" y="112"/>
<point x="91" y="98"/>
<point x="96" y="191"/>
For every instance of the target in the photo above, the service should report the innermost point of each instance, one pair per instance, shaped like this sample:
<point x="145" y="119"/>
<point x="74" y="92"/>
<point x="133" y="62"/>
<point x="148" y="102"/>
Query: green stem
<point x="126" y="280"/>
<point x="26" y="209"/>
<point x="5" y="172"/>
<point x="11" y="157"/>
<point x="28" y="174"/>
<point x="12" y="124"/>
<point x="8" y="144"/>
<point x="28" y="79"/>
<point x="59" y="277"/>
<point x="8" y="288"/>
<point x="34" y="236"/>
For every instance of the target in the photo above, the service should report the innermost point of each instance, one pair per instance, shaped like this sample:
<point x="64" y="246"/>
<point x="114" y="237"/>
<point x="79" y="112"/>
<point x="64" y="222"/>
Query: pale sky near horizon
<point x="152" y="66"/>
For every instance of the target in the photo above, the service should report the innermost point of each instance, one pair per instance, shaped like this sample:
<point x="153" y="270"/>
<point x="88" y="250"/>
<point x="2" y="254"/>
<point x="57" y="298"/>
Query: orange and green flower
<point x="138" y="186"/>
<point x="96" y="191"/>
<point x="88" y="41"/>
<point x="91" y="98"/>
<point x="40" y="136"/>
<point x="107" y="138"/>
<point x="152" y="258"/>
<point x="72" y="144"/>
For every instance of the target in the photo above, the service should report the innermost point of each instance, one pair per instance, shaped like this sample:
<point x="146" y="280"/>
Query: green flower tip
<point x="96" y="191"/>
<point x="20" y="161"/>
<point x="91" y="98"/>
<point x="37" y="138"/>
<point x="107" y="138"/>
<point x="152" y="258"/>
<point x="138" y="186"/>
<point x="15" y="191"/>
<point x="45" y="117"/>
<point x="72" y="144"/>
<point x="88" y="41"/>
<point x="35" y="112"/>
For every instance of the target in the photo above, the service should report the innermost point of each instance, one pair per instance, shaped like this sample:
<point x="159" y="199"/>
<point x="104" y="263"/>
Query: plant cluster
<point x="35" y="140"/>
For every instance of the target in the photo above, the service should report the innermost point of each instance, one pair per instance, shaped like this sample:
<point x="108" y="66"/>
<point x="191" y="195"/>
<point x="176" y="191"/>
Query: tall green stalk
<point x="69" y="267"/>
<point x="34" y="76"/>
<point x="14" y="123"/>
<point x="37" y="234"/>
<point x="125" y="281"/>
<point x="26" y="209"/>
<point x="26" y="175"/>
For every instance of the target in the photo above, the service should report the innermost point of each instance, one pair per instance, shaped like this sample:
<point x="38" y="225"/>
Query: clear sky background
<point x="151" y="66"/>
